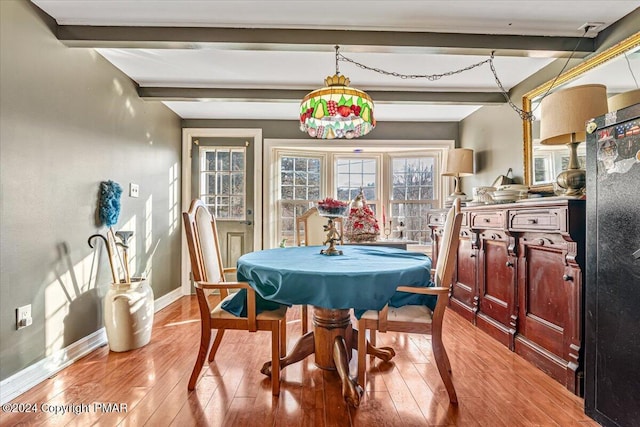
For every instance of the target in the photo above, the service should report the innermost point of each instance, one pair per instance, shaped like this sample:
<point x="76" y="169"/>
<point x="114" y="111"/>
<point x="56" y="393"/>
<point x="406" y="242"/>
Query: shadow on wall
<point x="481" y="160"/>
<point x="73" y="303"/>
<point x="73" y="297"/>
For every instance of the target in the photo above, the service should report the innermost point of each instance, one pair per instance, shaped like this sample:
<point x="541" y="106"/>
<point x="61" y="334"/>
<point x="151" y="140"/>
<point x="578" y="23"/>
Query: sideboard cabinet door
<point x="464" y="290"/>
<point x="496" y="283"/>
<point x="549" y="307"/>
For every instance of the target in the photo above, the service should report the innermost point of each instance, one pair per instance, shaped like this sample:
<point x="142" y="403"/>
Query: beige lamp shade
<point x="623" y="100"/>
<point x="565" y="113"/>
<point x="458" y="162"/>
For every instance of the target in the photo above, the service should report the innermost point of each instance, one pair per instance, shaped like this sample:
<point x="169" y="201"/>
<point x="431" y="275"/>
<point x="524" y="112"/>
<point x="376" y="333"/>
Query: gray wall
<point x="289" y="129"/>
<point x="68" y="121"/>
<point x="495" y="133"/>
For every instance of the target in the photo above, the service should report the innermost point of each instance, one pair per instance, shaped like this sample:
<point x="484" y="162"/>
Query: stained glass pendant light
<point x="336" y="110"/>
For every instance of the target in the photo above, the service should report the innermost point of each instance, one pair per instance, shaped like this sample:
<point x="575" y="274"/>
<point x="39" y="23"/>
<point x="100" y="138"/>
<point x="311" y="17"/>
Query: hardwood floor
<point x="495" y="386"/>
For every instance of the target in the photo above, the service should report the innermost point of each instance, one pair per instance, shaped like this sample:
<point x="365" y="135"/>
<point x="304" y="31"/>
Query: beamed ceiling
<point x="257" y="59"/>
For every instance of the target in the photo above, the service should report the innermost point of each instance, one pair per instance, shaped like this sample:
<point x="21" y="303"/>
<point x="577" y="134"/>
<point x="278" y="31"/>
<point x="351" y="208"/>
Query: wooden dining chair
<point x="310" y="232"/>
<point x="208" y="275"/>
<point x="420" y="318"/>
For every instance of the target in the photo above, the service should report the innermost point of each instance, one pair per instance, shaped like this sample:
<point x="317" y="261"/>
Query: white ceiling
<point x="304" y="66"/>
<point x="542" y="17"/>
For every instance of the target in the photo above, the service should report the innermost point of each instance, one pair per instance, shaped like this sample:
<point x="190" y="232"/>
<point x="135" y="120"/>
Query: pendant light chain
<point x="433" y="77"/>
<point x="524" y="115"/>
<point x="430" y="77"/>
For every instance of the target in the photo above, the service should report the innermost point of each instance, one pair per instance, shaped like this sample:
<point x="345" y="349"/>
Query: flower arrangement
<point x="361" y="225"/>
<point x="332" y="207"/>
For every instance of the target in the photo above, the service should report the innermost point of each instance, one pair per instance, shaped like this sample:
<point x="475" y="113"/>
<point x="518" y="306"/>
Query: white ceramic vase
<point x="128" y="314"/>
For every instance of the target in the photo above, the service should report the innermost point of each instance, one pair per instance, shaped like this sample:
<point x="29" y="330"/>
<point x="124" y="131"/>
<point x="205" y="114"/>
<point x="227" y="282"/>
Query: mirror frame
<point x="577" y="71"/>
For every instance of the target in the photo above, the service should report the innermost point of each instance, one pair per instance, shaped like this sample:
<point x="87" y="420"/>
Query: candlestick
<point x="386" y="230"/>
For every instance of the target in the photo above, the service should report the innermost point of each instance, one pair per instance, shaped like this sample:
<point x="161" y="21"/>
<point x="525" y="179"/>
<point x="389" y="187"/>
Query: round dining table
<point x="363" y="278"/>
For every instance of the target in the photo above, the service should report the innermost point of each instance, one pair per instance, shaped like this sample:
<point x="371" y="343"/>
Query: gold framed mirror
<point x="537" y="175"/>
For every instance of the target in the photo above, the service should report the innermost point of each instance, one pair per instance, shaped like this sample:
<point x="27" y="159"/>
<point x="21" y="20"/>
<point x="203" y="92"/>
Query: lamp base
<point x="452" y="197"/>
<point x="574" y="179"/>
<point x="462" y="196"/>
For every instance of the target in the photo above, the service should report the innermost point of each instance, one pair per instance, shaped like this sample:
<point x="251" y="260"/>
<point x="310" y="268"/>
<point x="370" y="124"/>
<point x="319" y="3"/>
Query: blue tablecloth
<point x="363" y="278"/>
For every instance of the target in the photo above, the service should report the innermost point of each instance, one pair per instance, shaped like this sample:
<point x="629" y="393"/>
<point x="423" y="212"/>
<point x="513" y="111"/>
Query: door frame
<point x="187" y="136"/>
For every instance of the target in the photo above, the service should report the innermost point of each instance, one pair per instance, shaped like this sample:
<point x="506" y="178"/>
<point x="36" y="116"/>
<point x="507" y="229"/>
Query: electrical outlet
<point x="134" y="190"/>
<point x="23" y="316"/>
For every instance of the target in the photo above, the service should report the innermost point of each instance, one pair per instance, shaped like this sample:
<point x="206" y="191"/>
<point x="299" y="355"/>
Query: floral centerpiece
<point x="362" y="224"/>
<point x="332" y="207"/>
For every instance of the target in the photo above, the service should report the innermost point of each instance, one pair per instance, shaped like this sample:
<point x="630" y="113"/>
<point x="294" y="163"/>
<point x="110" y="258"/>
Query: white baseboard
<point x="167" y="299"/>
<point x="33" y="375"/>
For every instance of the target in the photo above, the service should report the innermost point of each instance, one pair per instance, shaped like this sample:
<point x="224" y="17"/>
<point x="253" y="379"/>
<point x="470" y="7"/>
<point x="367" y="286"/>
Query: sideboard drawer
<point x="437" y="218"/>
<point x="487" y="219"/>
<point x="547" y="220"/>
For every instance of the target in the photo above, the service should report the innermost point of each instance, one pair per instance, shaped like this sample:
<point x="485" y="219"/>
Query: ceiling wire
<point x="586" y="29"/>
<point x="524" y="115"/>
<point x="631" y="70"/>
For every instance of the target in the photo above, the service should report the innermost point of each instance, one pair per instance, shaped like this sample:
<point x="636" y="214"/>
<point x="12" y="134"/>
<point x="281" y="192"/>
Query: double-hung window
<point x="399" y="186"/>
<point x="300" y="186"/>
<point x="413" y="193"/>
<point x="355" y="173"/>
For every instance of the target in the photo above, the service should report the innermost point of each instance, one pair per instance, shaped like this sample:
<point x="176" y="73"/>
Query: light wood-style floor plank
<point x="495" y="386"/>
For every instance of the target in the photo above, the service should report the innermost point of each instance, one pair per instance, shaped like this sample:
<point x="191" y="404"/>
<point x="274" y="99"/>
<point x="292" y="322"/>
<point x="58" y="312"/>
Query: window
<point x="403" y="186"/>
<point x="413" y="194"/>
<point x="222" y="182"/>
<point x="300" y="182"/>
<point x="354" y="174"/>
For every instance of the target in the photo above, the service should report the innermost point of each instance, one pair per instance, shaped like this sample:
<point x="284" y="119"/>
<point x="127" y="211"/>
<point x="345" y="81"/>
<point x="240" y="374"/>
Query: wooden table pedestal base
<point x="332" y="341"/>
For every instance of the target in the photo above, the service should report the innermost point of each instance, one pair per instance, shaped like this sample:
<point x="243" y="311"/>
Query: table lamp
<point x="624" y="100"/>
<point x="458" y="162"/>
<point x="563" y="121"/>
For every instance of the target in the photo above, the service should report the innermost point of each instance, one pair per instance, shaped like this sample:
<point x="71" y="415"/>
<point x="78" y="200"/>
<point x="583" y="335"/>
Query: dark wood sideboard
<point x="519" y="277"/>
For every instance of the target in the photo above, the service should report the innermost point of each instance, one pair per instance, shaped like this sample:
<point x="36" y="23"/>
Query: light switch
<point x="134" y="190"/>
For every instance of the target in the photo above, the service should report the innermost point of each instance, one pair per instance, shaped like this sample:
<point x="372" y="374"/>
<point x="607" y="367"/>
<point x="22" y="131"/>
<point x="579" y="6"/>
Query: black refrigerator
<point x="612" y="285"/>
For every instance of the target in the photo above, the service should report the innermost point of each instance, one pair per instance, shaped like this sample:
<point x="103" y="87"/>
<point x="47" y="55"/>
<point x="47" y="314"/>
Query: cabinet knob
<point x="472" y="255"/>
<point x="509" y="264"/>
<point x="487" y="219"/>
<point x="532" y="221"/>
<point x="566" y="277"/>
<point x="541" y="242"/>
